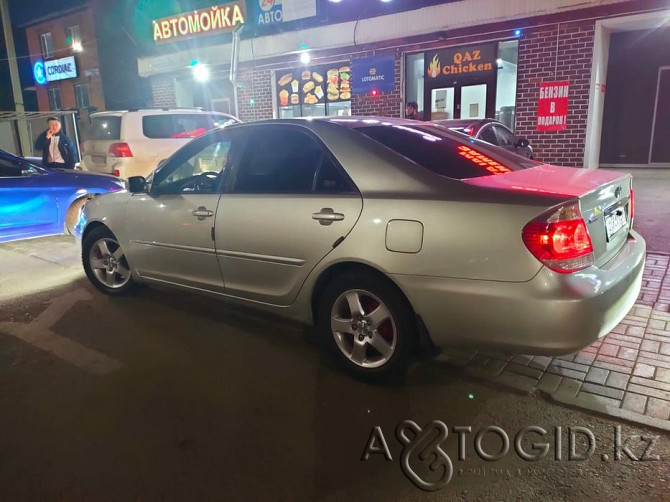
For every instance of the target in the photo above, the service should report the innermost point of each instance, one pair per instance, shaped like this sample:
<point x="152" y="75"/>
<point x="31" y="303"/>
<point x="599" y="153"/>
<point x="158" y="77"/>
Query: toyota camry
<point x="387" y="234"/>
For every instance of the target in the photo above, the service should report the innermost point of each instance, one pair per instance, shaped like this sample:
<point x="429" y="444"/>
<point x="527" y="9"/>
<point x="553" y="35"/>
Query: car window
<point x="331" y="179"/>
<point x="505" y="136"/>
<point x="221" y="120"/>
<point x="105" y="128"/>
<point x="9" y="169"/>
<point x="440" y="151"/>
<point x="488" y="134"/>
<point x="280" y="160"/>
<point x="197" y="168"/>
<point x="175" y="125"/>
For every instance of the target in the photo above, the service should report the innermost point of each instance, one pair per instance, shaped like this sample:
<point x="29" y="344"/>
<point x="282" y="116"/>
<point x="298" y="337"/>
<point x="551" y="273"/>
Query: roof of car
<point x="464" y="122"/>
<point x="157" y="111"/>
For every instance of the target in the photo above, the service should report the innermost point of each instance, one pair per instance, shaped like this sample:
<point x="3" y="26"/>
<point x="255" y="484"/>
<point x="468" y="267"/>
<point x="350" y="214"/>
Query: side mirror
<point x="136" y="184"/>
<point x="521" y="143"/>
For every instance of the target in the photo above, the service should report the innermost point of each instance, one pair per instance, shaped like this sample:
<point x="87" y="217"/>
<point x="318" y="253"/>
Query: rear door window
<point x="105" y="128"/>
<point x="281" y="160"/>
<point x="443" y="152"/>
<point x="167" y="126"/>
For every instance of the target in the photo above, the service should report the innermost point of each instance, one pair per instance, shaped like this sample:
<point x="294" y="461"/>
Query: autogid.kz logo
<point x="426" y="464"/>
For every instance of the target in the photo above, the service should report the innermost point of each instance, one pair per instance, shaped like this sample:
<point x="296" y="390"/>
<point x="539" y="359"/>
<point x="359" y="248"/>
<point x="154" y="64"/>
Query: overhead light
<point x="200" y="72"/>
<point x="517" y="33"/>
<point x="499" y="61"/>
<point x="305" y="58"/>
<point x="77" y="47"/>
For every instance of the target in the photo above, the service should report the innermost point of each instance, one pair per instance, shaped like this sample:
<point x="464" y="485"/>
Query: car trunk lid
<point x="604" y="199"/>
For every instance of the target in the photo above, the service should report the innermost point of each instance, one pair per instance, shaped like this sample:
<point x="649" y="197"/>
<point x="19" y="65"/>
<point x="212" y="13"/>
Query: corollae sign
<point x="212" y="20"/>
<point x="60" y="69"/>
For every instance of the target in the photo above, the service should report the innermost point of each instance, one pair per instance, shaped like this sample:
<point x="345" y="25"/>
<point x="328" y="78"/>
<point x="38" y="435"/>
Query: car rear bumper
<point x="550" y="314"/>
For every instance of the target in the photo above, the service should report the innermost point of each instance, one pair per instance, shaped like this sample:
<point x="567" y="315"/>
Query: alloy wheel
<point x="363" y="328"/>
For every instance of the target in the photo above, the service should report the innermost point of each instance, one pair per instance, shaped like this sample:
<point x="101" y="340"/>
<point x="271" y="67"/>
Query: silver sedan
<point x="387" y="234"/>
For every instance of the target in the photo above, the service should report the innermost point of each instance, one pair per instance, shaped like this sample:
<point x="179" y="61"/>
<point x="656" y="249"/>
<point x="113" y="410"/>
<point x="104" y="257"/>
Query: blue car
<point x="37" y="201"/>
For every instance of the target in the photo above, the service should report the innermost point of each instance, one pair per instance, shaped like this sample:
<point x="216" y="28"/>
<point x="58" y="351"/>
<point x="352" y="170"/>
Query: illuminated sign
<point x="38" y="72"/>
<point x="216" y="19"/>
<point x="60" y="69"/>
<point x="473" y="60"/>
<point x="374" y="74"/>
<point x="552" y="106"/>
<point x="269" y="12"/>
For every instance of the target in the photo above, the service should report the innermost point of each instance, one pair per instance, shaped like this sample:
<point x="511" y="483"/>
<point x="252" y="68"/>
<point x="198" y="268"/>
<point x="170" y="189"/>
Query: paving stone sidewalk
<point x="626" y="374"/>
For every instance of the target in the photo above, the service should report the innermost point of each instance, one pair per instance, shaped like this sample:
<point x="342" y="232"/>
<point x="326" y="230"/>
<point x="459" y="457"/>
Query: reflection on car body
<point x="385" y="233"/>
<point x="491" y="131"/>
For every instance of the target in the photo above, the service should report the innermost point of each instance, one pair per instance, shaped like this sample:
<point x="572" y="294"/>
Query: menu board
<point x="315" y="85"/>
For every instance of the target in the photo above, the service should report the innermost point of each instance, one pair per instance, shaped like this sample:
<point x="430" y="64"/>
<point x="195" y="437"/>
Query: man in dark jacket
<point x="57" y="149"/>
<point x="412" y="111"/>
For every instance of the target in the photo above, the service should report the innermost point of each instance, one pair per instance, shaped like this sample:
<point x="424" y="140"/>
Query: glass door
<point x="473" y="101"/>
<point x="442" y="103"/>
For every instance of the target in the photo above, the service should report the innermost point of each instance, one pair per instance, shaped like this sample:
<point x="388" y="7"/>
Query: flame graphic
<point x="434" y="67"/>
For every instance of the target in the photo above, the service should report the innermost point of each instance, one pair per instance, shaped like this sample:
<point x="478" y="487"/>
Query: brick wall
<point x="256" y="85"/>
<point x="164" y="93"/>
<point x="550" y="54"/>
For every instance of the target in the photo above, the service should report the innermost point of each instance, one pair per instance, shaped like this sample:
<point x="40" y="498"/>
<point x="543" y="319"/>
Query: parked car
<point x="132" y="143"/>
<point x="386" y="233"/>
<point x="491" y="131"/>
<point x="36" y="201"/>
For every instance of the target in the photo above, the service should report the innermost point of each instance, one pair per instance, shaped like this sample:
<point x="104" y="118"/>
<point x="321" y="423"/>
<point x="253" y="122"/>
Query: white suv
<point x="132" y="143"/>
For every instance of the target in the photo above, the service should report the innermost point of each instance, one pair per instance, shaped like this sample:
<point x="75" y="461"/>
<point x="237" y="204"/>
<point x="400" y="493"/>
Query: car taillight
<point x="632" y="206"/>
<point x="560" y="240"/>
<point x="117" y="173"/>
<point x="120" y="150"/>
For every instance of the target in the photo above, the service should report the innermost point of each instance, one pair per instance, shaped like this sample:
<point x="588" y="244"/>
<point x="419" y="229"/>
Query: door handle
<point x="202" y="212"/>
<point x="327" y="216"/>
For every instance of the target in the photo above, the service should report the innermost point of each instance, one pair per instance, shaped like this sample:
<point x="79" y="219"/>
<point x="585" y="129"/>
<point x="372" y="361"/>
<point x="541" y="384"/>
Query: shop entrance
<point x="461" y="102"/>
<point x="461" y="82"/>
<point x="660" y="145"/>
<point x="636" y="116"/>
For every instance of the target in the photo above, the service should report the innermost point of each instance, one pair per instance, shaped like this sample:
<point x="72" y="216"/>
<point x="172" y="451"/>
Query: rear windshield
<point x="105" y="128"/>
<point x="441" y="152"/>
<point x="180" y="125"/>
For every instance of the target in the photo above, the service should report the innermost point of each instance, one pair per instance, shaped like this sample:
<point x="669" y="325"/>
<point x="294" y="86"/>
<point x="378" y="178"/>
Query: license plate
<point x="615" y="220"/>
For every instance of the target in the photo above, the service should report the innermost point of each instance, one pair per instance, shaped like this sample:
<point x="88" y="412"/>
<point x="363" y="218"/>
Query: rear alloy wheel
<point x="368" y="326"/>
<point x="105" y="263"/>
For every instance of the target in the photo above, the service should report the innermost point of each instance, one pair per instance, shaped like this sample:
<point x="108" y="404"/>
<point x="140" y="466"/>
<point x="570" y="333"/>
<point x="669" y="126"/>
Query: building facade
<point x="64" y="57"/>
<point x="587" y="83"/>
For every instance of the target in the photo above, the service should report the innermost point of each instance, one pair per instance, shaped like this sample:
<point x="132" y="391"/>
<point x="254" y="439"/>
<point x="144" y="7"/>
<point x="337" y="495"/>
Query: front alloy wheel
<point x="105" y="263"/>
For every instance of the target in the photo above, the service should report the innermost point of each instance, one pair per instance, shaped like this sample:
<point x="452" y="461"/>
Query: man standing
<point x="412" y="111"/>
<point x="57" y="149"/>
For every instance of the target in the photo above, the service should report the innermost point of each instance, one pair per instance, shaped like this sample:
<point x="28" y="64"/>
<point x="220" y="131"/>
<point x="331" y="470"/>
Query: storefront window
<point x="508" y="55"/>
<point x="473" y="81"/>
<point x="314" y="92"/>
<point x="414" y="80"/>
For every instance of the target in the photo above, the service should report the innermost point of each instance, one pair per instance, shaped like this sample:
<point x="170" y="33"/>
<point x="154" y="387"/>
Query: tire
<point x="72" y="215"/>
<point x="374" y="343"/>
<point x="105" y="263"/>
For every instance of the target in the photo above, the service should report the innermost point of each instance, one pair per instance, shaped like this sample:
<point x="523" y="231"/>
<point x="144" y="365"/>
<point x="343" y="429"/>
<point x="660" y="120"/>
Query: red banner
<point x="552" y="106"/>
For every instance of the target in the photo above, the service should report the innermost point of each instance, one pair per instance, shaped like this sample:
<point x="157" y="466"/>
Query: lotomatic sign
<point x="216" y="19"/>
<point x="552" y="106"/>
